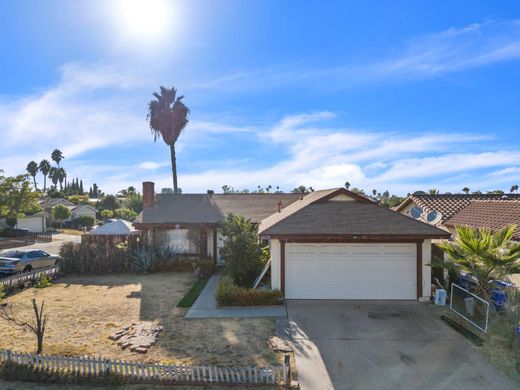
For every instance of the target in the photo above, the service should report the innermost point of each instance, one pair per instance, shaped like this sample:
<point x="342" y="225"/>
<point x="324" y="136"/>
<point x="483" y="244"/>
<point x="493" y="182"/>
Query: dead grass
<point x="73" y="232"/>
<point x="84" y="311"/>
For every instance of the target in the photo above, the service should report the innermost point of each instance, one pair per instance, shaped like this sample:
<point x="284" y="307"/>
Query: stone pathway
<point x="206" y="306"/>
<point x="139" y="337"/>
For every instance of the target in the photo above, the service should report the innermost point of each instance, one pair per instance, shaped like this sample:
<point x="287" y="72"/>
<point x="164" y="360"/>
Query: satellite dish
<point x="433" y="217"/>
<point x="416" y="212"/>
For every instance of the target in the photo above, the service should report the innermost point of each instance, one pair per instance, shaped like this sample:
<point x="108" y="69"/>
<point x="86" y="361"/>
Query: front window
<point x="178" y="240"/>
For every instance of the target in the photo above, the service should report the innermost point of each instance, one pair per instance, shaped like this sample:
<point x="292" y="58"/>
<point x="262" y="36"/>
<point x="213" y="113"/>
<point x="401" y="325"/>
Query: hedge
<point x="229" y="294"/>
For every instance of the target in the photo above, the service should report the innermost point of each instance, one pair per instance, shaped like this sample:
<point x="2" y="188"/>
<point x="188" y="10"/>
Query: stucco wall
<point x="274" y="247"/>
<point x="427" y="270"/>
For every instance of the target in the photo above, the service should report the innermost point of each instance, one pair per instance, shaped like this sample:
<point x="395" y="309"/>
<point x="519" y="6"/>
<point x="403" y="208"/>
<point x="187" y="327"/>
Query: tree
<point x="465" y="190"/>
<point x="433" y="191"/>
<point x="134" y="201"/>
<point x="485" y="255"/>
<point x="242" y="252"/>
<point x="57" y="156"/>
<point x="61" y="213"/>
<point x="301" y="190"/>
<point x="514" y="188"/>
<point x="227" y="189"/>
<point x="44" y="167"/>
<point x="496" y="192"/>
<point x="32" y="169"/>
<point x="109" y="202"/>
<point x="37" y="326"/>
<point x="17" y="197"/>
<point x="168" y="116"/>
<point x="60" y="174"/>
<point x="106" y="214"/>
<point x="347" y="185"/>
<point x="374" y="192"/>
<point x="126" y="214"/>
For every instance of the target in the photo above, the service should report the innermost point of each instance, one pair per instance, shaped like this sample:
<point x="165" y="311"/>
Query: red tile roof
<point x="491" y="214"/>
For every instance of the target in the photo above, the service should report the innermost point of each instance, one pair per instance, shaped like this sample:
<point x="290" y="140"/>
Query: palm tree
<point x="168" y="116"/>
<point x="485" y="255"/>
<point x="32" y="168"/>
<point x="347" y="185"/>
<point x="57" y="156"/>
<point x="61" y="175"/>
<point x="54" y="176"/>
<point x="433" y="191"/>
<point x="45" y="167"/>
<point x="465" y="190"/>
<point x="514" y="188"/>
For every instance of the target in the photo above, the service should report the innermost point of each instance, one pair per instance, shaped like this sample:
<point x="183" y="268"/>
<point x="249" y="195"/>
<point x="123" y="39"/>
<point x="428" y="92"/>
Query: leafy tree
<point x="32" y="169"/>
<point x="44" y="167"/>
<point x="242" y="252"/>
<point x="227" y="189"/>
<point x="17" y="198"/>
<point x="347" y="185"/>
<point x="168" y="116"/>
<point x="465" y="190"/>
<point x="126" y="214"/>
<point x="61" y="213"/>
<point x="78" y="199"/>
<point x="84" y="221"/>
<point x="301" y="190"/>
<point x="134" y="201"/>
<point x="109" y="202"/>
<point x="106" y="214"/>
<point x="167" y="191"/>
<point x="514" y="188"/>
<point x="485" y="255"/>
<point x="359" y="191"/>
<point x="496" y="192"/>
<point x="57" y="156"/>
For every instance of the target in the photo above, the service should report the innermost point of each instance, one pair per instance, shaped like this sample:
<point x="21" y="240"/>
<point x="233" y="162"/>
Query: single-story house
<point x="48" y="203"/>
<point x="330" y="244"/>
<point x="80" y="210"/>
<point x="36" y="223"/>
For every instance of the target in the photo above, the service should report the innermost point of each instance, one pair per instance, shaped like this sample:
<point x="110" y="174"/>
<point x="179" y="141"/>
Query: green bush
<point x="126" y="214"/>
<point x="84" y="221"/>
<point x="44" y="281"/>
<point x="242" y="253"/>
<point x="229" y="294"/>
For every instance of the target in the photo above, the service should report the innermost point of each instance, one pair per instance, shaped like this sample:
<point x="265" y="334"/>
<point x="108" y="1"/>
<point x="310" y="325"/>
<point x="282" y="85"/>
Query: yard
<point x="84" y="311"/>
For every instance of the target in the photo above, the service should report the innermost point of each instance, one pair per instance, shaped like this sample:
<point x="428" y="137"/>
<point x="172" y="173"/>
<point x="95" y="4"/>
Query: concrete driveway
<point x="383" y="345"/>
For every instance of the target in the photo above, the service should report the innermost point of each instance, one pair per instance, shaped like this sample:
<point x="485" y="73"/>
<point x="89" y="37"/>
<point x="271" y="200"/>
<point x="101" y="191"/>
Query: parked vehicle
<point x="13" y="261"/>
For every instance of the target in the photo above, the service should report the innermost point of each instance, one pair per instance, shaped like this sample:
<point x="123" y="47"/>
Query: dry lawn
<point x="84" y="311"/>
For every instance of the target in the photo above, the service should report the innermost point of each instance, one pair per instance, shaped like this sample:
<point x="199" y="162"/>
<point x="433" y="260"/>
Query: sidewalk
<point x="206" y="306"/>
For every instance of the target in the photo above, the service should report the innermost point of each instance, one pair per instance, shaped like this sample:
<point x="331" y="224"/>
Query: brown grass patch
<point x="84" y="311"/>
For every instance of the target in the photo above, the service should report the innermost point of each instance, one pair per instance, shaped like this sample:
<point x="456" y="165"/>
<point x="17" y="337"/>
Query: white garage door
<point x="350" y="271"/>
<point x="33" y="224"/>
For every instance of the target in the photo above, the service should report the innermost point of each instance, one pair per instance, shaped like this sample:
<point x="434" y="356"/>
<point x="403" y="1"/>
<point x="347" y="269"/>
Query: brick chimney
<point x="148" y="193"/>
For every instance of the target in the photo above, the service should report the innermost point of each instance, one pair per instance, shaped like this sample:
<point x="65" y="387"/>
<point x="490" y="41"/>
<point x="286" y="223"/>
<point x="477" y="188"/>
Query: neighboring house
<point x="330" y="244"/>
<point x="477" y="210"/>
<point x="36" y="223"/>
<point x="80" y="210"/>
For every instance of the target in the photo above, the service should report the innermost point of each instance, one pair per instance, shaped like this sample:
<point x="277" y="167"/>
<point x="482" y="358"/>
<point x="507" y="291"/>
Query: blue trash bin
<point x="499" y="294"/>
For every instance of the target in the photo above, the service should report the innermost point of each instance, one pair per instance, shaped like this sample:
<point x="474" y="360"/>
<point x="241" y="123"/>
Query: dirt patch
<point x="85" y="311"/>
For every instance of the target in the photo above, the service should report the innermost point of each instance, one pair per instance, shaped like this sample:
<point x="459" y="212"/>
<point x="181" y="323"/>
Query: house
<point x="490" y="211"/>
<point x="330" y="244"/>
<point x="81" y="210"/>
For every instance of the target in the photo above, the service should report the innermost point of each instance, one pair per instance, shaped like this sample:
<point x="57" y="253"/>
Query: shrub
<point x="229" y="294"/>
<point x="84" y="221"/>
<point x="106" y="214"/>
<point x="143" y="260"/>
<point x="242" y="252"/>
<point x="126" y="214"/>
<point x="78" y="199"/>
<point x="61" y="213"/>
<point x="93" y="257"/>
<point x="44" y="281"/>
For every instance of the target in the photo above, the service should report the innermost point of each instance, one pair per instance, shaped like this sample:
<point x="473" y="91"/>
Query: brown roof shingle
<point x="491" y="214"/>
<point x="312" y="216"/>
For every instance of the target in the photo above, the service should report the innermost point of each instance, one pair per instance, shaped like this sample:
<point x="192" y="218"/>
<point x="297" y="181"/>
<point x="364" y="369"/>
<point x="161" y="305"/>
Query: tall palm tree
<point x="45" y="167"/>
<point x="61" y="176"/>
<point x="32" y="169"/>
<point x="57" y="156"/>
<point x="465" y="190"/>
<point x="168" y="116"/>
<point x="54" y="176"/>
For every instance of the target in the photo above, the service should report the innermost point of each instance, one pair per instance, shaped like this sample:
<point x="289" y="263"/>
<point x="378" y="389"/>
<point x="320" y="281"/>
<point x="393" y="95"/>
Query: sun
<point x="144" y="20"/>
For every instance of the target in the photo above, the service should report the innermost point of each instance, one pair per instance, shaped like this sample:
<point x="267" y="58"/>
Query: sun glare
<point x="144" y="20"/>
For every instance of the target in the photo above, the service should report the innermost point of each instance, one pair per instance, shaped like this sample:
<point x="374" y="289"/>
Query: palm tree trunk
<point x="34" y="180"/>
<point x="44" y="183"/>
<point x="174" y="167"/>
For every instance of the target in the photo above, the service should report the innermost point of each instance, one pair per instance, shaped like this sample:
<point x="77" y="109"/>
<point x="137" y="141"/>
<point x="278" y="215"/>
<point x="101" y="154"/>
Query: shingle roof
<point x="206" y="209"/>
<point x="491" y="214"/>
<point x="49" y="203"/>
<point x="313" y="216"/>
<point x="450" y="204"/>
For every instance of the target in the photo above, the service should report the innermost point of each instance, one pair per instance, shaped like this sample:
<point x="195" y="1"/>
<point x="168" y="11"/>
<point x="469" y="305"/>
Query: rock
<point x="139" y="337"/>
<point x="279" y="345"/>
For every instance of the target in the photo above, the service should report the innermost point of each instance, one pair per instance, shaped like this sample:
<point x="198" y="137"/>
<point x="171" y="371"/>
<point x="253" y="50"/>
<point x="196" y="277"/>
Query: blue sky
<point x="388" y="95"/>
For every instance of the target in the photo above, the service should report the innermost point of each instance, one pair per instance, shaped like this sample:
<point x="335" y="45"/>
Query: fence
<point x="23" y="240"/>
<point x="32" y="276"/>
<point x="145" y="373"/>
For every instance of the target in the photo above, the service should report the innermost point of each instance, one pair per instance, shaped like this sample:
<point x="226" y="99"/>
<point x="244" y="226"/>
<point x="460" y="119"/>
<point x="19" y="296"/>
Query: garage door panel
<point x="350" y="271"/>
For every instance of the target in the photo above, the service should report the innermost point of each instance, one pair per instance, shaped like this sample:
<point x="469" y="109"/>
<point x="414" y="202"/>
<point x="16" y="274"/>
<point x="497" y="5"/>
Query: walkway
<point x="206" y="306"/>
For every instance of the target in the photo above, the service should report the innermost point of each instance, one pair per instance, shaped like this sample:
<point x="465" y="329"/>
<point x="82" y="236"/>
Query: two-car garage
<point x="335" y="244"/>
<point x="350" y="271"/>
